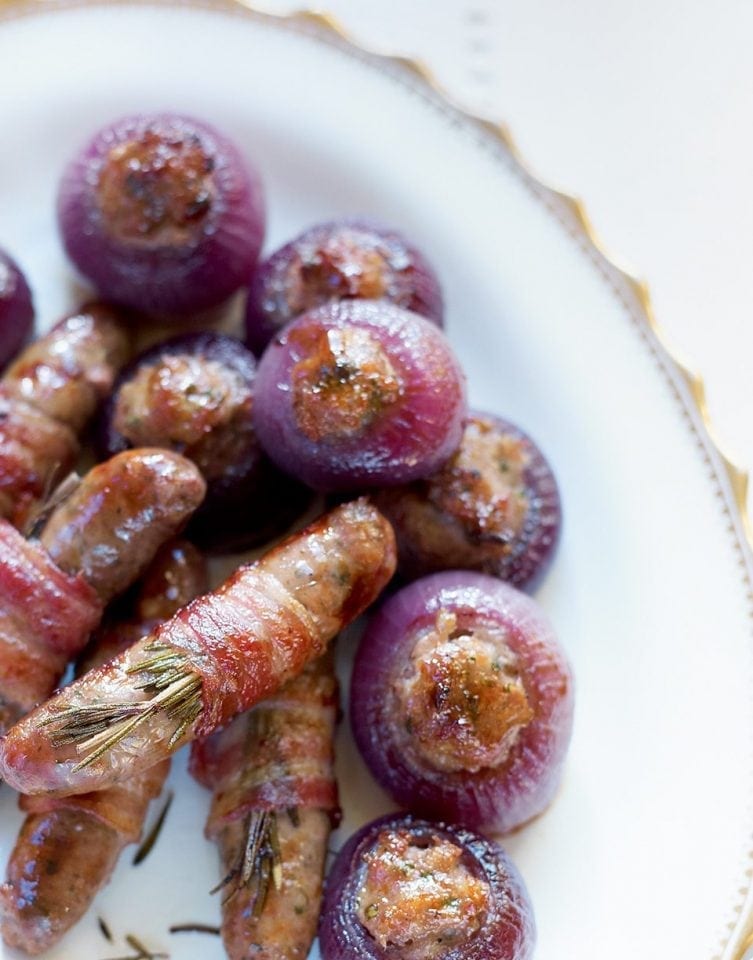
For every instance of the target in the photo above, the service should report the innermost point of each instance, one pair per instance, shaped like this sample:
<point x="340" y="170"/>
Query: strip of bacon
<point x="217" y="657"/>
<point x="83" y="836"/>
<point x="95" y="544"/>
<point x="46" y="617"/>
<point x="274" y="803"/>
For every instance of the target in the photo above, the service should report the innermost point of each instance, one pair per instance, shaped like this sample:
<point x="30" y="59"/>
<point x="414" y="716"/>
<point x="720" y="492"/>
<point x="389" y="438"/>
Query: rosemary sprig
<point x="259" y="863"/>
<point x="194" y="928"/>
<point x="174" y="689"/>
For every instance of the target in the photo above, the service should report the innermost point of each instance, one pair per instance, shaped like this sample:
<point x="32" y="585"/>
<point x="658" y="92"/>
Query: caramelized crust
<point x="69" y="371"/>
<point x="343" y="382"/>
<point x="112" y="525"/>
<point x="492" y="507"/>
<point x="463" y="701"/>
<point x="35" y="452"/>
<point x="347" y="264"/>
<point x="47" y="396"/>
<point x="156" y="190"/>
<point x="420" y="897"/>
<point x="193" y="405"/>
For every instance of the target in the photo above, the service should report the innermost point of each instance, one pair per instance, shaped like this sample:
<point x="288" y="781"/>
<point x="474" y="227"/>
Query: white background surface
<point x="645" y="110"/>
<point x="635" y="833"/>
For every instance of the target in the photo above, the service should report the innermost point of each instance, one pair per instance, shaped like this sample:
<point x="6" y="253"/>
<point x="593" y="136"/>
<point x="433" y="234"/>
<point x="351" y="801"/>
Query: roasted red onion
<point x="493" y="507"/>
<point x="462" y="701"/>
<point x="339" y="260"/>
<point x="194" y="394"/>
<point x="16" y="309"/>
<point x="407" y="889"/>
<point x="357" y="394"/>
<point x="162" y="213"/>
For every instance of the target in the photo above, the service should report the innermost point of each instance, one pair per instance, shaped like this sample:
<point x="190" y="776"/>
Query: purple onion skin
<point x="456" y="519"/>
<point x="162" y="245"/>
<point x="353" y="434"/>
<point x="338" y="260"/>
<point x="497" y="799"/>
<point x="16" y="309"/>
<point x="508" y="932"/>
<point x="248" y="500"/>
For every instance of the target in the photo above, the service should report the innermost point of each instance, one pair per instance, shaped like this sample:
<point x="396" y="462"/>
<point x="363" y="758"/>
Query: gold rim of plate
<point x="687" y="386"/>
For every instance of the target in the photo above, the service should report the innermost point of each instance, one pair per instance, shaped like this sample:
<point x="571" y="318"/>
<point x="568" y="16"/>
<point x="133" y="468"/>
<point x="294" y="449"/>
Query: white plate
<point x="646" y="852"/>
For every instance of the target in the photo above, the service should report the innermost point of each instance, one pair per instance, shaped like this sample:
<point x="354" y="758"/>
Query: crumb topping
<point x="483" y="485"/>
<point x="156" y="190"/>
<point x="420" y="895"/>
<point x="342" y="384"/>
<point x="345" y="266"/>
<point x="462" y="702"/>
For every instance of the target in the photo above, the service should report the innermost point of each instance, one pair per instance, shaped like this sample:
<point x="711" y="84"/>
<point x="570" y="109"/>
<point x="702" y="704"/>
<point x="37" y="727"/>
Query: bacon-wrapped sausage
<point x="217" y="657"/>
<point x="47" y="396"/>
<point x="82" y="836"/>
<point x="274" y="803"/>
<point x="94" y="545"/>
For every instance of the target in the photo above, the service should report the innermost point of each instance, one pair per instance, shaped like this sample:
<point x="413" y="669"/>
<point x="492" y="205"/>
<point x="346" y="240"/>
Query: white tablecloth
<point x="645" y="110"/>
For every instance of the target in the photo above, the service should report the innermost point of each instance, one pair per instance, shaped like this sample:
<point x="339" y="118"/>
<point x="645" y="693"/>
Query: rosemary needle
<point x="172" y="686"/>
<point x="259" y="863"/>
<point x="151" y="838"/>
<point x="143" y="952"/>
<point x="194" y="928"/>
<point x="106" y="933"/>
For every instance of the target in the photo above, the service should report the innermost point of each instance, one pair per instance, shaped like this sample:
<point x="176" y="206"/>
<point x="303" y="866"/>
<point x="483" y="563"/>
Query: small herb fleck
<point x="106" y="933"/>
<point x="372" y="910"/>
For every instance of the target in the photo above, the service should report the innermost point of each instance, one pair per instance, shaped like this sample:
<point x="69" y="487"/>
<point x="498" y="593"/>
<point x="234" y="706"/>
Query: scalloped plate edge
<point x="686" y="384"/>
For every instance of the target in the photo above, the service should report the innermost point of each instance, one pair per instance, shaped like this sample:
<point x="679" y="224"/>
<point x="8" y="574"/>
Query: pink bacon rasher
<point x="214" y="659"/>
<point x="83" y="836"/>
<point x="273" y="807"/>
<point x="96" y="543"/>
